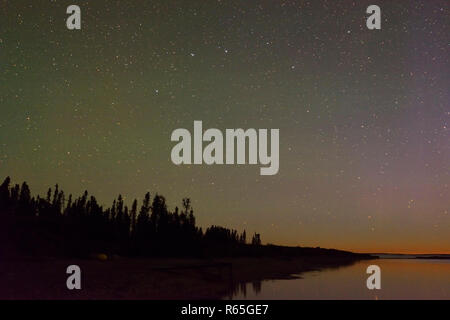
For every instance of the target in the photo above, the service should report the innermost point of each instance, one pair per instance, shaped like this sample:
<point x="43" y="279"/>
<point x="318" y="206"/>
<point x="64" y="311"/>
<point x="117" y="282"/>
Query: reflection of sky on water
<point x="400" y="279"/>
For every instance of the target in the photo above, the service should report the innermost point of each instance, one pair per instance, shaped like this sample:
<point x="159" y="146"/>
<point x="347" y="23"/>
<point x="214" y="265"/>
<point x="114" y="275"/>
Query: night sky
<point x="363" y="115"/>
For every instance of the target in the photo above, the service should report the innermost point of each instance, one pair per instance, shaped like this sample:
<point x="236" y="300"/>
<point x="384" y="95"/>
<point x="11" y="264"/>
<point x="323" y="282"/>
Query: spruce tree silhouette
<point x="4" y="194"/>
<point x="81" y="227"/>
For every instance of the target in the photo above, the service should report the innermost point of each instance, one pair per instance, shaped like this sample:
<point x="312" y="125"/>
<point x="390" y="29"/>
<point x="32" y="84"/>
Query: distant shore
<point x="436" y="257"/>
<point x="157" y="278"/>
<point x="412" y="256"/>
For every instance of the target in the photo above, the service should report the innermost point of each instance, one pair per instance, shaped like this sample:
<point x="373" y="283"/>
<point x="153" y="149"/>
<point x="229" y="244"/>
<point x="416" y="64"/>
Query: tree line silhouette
<point x="56" y="224"/>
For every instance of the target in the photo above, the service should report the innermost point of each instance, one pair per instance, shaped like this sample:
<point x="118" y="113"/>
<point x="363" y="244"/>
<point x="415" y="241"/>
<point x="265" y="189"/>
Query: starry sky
<point x="363" y="115"/>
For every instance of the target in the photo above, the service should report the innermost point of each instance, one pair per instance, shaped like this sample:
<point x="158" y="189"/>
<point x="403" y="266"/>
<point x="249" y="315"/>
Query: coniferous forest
<point x="57" y="224"/>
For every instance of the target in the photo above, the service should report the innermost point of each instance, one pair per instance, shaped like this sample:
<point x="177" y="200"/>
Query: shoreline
<point x="153" y="278"/>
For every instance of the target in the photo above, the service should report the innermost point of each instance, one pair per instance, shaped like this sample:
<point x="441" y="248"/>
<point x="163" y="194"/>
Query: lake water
<point x="400" y="279"/>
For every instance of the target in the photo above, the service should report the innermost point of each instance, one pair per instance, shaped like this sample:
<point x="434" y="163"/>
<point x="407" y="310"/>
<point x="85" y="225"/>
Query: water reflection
<point x="240" y="289"/>
<point x="400" y="279"/>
